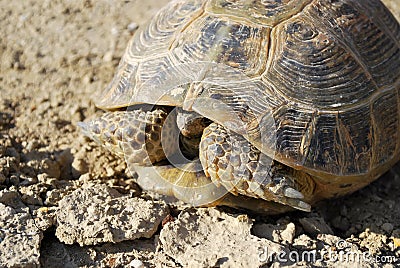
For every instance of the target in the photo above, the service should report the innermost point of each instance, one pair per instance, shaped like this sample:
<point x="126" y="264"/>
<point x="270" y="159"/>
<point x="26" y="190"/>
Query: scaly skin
<point x="227" y="159"/>
<point x="134" y="135"/>
<point x="230" y="160"/>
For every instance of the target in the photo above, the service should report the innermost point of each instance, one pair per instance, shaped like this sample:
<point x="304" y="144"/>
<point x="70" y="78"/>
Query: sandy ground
<point x="69" y="203"/>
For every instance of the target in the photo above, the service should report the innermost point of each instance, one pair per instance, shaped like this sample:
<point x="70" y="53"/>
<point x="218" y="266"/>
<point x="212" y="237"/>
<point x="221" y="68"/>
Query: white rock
<point x="20" y="238"/>
<point x="210" y="238"/>
<point x="96" y="214"/>
<point x="132" y="27"/>
<point x="136" y="264"/>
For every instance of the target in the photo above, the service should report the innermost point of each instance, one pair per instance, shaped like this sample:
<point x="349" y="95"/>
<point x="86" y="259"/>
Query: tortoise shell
<point x="315" y="83"/>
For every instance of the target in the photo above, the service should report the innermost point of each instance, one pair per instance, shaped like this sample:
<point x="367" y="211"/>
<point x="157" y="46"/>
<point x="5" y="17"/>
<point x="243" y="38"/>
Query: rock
<point x="289" y="233"/>
<point x="96" y="214"/>
<point x="12" y="152"/>
<point x="20" y="238"/>
<point x="51" y="168"/>
<point x="315" y="226"/>
<point x="136" y="264"/>
<point x="79" y="167"/>
<point x="108" y="56"/>
<point x="45" y="217"/>
<point x="281" y="233"/>
<point x="374" y="242"/>
<point x="132" y="27"/>
<point x="5" y="122"/>
<point x="31" y="194"/>
<point x="27" y="181"/>
<point x="340" y="223"/>
<point x="32" y="145"/>
<point x="209" y="238"/>
<point x="11" y="198"/>
<point x="332" y="240"/>
<point x="396" y="242"/>
<point x="54" y="196"/>
<point x="2" y="178"/>
<point x="268" y="231"/>
<point x="64" y="161"/>
<point x="9" y="165"/>
<point x="304" y="242"/>
<point x="14" y="180"/>
<point x="387" y="227"/>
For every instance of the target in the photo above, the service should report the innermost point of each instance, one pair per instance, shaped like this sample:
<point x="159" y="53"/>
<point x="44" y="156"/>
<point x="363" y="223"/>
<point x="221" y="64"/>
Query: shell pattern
<point x="328" y="71"/>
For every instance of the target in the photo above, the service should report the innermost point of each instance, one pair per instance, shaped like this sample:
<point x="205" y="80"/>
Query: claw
<point x="301" y="205"/>
<point x="292" y="193"/>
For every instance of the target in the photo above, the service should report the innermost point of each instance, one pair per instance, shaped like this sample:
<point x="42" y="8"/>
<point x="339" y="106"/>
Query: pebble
<point x="32" y="145"/>
<point x="396" y="242"/>
<point x="14" y="180"/>
<point x="132" y="27"/>
<point x="114" y="31"/>
<point x="2" y="149"/>
<point x="387" y="227"/>
<point x="13" y="153"/>
<point x="136" y="263"/>
<point x="50" y="167"/>
<point x="79" y="166"/>
<point x="110" y="171"/>
<point x="363" y="235"/>
<point x="85" y="178"/>
<point x="28" y="181"/>
<point x="315" y="226"/>
<point x="108" y="56"/>
<point x="340" y="223"/>
<point x="86" y="79"/>
<point x="289" y="233"/>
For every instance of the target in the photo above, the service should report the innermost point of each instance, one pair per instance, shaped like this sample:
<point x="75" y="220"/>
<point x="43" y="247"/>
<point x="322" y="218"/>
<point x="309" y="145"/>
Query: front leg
<point x="132" y="134"/>
<point x="229" y="159"/>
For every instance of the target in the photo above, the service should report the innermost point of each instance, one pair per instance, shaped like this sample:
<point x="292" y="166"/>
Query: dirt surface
<point x="54" y="56"/>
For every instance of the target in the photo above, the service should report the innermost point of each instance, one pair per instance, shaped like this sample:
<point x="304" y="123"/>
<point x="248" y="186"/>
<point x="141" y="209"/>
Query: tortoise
<point x="267" y="105"/>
